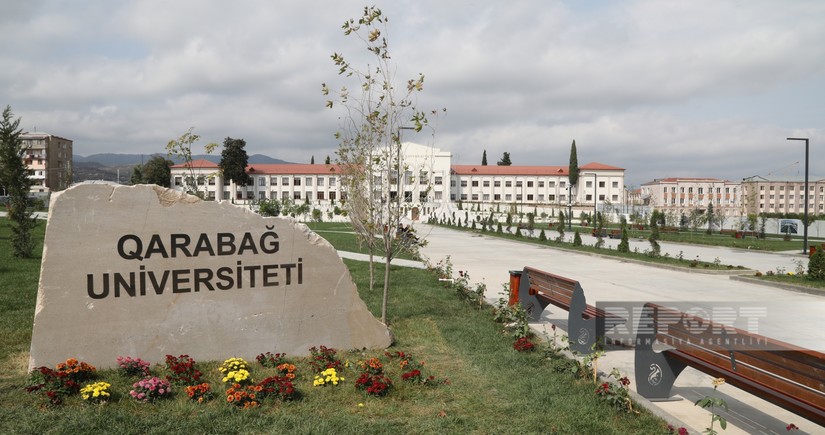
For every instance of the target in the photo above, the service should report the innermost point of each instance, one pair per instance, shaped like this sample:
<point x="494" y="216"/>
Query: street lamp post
<point x="569" y="206"/>
<point x="807" y="194"/>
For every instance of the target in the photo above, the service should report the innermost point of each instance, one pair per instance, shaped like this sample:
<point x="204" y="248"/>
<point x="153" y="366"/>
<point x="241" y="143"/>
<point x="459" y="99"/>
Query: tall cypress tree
<point x="573" y="169"/>
<point x="484" y="158"/>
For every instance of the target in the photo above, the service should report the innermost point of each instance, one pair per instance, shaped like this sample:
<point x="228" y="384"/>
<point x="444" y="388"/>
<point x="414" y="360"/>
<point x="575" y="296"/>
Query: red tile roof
<point x="292" y="168"/>
<point x="508" y="170"/>
<point x="198" y="164"/>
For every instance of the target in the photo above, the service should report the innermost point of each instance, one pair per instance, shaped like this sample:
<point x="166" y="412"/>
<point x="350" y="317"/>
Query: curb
<point x="791" y="287"/>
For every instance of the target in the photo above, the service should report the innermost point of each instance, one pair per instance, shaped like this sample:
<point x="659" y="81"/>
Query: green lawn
<point x="492" y="389"/>
<point x="342" y="237"/>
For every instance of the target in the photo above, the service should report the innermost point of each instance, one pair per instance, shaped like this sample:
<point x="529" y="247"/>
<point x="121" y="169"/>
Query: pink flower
<point x="161" y="391"/>
<point x="141" y="396"/>
<point x="683" y="431"/>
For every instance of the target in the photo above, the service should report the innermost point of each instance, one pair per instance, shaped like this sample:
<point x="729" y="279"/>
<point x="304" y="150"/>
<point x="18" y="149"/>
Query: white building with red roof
<point x="681" y="195"/>
<point x="431" y="184"/>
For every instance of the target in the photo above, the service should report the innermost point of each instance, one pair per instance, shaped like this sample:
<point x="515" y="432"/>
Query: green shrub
<point x="816" y="265"/>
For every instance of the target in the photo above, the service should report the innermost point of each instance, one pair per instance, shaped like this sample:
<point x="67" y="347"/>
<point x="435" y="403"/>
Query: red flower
<point x="791" y="427"/>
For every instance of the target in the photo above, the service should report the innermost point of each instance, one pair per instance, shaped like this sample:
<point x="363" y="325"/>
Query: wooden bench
<point x="781" y="373"/>
<point x="615" y="234"/>
<point x="536" y="289"/>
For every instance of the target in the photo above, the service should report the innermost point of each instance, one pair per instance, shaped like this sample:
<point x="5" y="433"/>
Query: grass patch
<point x="798" y="280"/>
<point x="493" y="389"/>
<point x="341" y="236"/>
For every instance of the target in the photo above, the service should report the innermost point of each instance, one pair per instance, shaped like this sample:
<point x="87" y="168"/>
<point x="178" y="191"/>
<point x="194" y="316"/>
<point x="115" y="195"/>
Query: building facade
<point x="684" y="195"/>
<point x="783" y="195"/>
<point x="49" y="160"/>
<point x="430" y="184"/>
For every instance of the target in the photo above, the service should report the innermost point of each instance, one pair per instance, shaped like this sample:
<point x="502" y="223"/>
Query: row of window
<point x="810" y="187"/>
<point x="519" y="183"/>
<point x="700" y="201"/>
<point x="518" y="197"/>
<point x="801" y="197"/>
<point x="700" y="190"/>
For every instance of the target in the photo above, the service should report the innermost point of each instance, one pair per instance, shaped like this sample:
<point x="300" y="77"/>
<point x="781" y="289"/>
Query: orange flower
<point x="230" y="398"/>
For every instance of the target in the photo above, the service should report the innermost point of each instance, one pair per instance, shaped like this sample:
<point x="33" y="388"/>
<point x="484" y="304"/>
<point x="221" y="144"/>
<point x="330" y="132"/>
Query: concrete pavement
<point x="793" y="317"/>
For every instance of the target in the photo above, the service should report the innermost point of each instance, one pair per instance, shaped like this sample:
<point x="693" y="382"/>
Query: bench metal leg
<point x="581" y="331"/>
<point x="655" y="371"/>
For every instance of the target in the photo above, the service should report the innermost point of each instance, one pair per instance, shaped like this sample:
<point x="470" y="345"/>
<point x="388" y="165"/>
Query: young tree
<point x="14" y="177"/>
<point x="710" y="218"/>
<point x="326" y="162"/>
<point x="312" y="160"/>
<point x="654" y="234"/>
<point x="234" y="161"/>
<point x="505" y="160"/>
<point x="182" y="149"/>
<point x="137" y="175"/>
<point x="624" y="244"/>
<point x="560" y="227"/>
<point x="484" y="158"/>
<point x="370" y="152"/>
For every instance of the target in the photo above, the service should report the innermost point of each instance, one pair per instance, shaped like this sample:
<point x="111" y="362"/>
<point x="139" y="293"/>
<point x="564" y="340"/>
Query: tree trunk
<point x="386" y="289"/>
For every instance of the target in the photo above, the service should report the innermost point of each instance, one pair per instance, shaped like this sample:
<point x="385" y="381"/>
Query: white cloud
<point x="661" y="88"/>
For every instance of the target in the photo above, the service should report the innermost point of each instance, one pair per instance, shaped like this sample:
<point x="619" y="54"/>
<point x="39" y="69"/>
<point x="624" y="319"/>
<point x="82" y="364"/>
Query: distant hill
<point x="118" y="167"/>
<point x="111" y="159"/>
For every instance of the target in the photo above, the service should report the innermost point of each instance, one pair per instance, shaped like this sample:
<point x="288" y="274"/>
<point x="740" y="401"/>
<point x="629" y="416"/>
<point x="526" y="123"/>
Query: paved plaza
<point x="793" y="317"/>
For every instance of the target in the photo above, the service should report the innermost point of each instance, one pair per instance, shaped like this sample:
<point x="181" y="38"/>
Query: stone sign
<point x="147" y="272"/>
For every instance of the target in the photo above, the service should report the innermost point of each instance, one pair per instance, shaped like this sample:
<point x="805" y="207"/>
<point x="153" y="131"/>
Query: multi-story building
<point x="598" y="185"/>
<point x="430" y="184"/>
<point x="49" y="158"/>
<point x="683" y="195"/>
<point x="783" y="195"/>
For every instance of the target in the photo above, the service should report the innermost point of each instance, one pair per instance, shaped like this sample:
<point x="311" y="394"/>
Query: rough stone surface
<point x="145" y="272"/>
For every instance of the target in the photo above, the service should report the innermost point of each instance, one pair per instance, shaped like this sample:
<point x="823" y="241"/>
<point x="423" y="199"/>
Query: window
<point x="331" y="181"/>
<point x="486" y="197"/>
<point x="518" y="183"/>
<point x="496" y="183"/>
<point x="284" y="195"/>
<point x="273" y="180"/>
<point x="518" y="197"/>
<point x="320" y="182"/>
<point x="664" y="189"/>
<point x="616" y="186"/>
<point x="529" y="197"/>
<point x="541" y="198"/>
<point x="615" y="198"/>
<point x="508" y="197"/>
<point x="588" y="197"/>
<point x="690" y="190"/>
<point x="438" y="196"/>
<point x="309" y="181"/>
<point x="285" y="181"/>
<point x="508" y="184"/>
<point x="475" y="183"/>
<point x="211" y="181"/>
<point x="529" y="184"/>
<point x="261" y="181"/>
<point x="463" y="196"/>
<point x="475" y="197"/>
<point x="551" y="198"/>
<point x="438" y="180"/>
<point x="588" y="184"/>
<point x="332" y="194"/>
<point x="541" y="184"/>
<point x="320" y="196"/>
<point x="551" y="184"/>
<point x="562" y="184"/>
<point x="296" y="182"/>
<point x="177" y="181"/>
<point x="601" y="197"/>
<point x="422" y="178"/>
<point x="601" y="183"/>
<point x="486" y="183"/>
<point x="452" y="184"/>
<point x="422" y="196"/>
<point x="463" y="183"/>
<point x="701" y="190"/>
<point x="296" y="195"/>
<point x="261" y="196"/>
<point x="496" y="197"/>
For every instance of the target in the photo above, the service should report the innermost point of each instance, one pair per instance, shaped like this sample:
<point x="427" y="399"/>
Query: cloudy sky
<point x="662" y="88"/>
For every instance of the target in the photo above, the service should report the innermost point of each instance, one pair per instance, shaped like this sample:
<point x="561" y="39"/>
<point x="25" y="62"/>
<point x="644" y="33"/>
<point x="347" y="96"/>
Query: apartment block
<point x="49" y="158"/>
<point x="769" y="194"/>
<point x="683" y="195"/>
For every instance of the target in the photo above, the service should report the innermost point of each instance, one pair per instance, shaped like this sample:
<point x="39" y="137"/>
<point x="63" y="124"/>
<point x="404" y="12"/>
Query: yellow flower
<point x="717" y="382"/>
